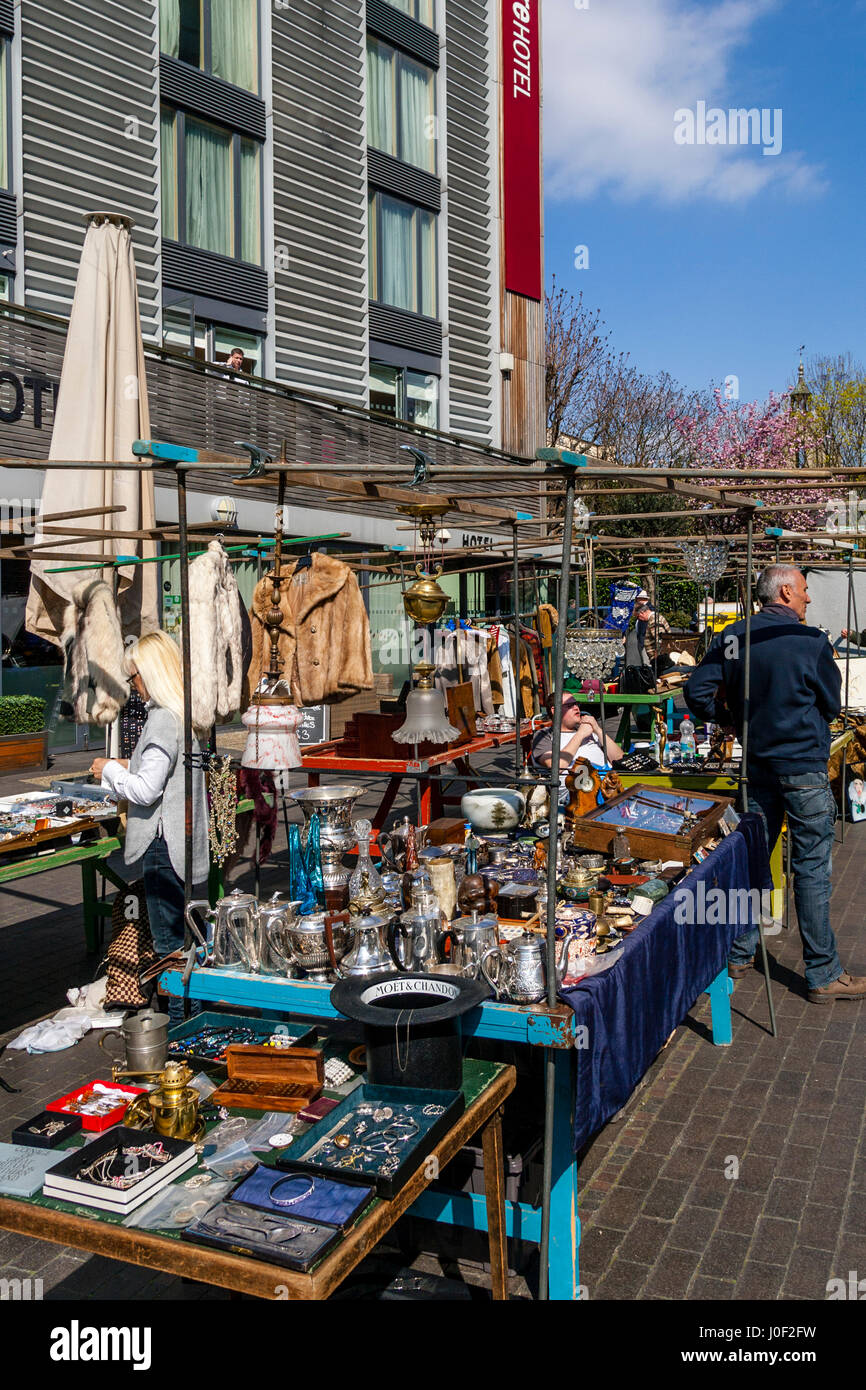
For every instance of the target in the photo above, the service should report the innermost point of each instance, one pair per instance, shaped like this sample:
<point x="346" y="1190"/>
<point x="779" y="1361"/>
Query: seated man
<point x="581" y="738"/>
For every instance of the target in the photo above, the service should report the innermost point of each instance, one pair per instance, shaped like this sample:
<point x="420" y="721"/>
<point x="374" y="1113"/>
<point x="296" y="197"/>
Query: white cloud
<point x="615" y="73"/>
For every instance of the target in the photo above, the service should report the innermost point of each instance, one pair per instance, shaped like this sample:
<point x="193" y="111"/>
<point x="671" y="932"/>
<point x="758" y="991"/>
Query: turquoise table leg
<point x="720" y="992"/>
<point x="564" y="1220"/>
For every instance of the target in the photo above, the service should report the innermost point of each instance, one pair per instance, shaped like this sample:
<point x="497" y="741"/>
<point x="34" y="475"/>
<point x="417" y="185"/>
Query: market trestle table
<point x="332" y="757"/>
<point x="185" y="1259"/>
<point x="627" y="703"/>
<point x="96" y="852"/>
<point x="535" y="1025"/>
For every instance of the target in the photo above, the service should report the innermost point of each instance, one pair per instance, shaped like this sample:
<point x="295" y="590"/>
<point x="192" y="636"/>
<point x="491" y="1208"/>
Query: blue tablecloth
<point x="630" y="1010"/>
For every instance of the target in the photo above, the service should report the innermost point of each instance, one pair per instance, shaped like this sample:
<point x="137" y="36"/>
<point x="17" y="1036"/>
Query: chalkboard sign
<point x="314" y="725"/>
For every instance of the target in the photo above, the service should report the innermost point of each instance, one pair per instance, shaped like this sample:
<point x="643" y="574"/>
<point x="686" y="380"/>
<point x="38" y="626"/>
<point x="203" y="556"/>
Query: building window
<point x="211" y="187"/>
<point x="402" y="255"/>
<point x="422" y="10"/>
<point x="401" y="112"/>
<point x="5" y="170"/>
<point x="207" y="341"/>
<point x="219" y="36"/>
<point x="404" y="394"/>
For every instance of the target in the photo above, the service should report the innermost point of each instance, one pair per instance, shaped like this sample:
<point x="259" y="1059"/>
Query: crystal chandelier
<point x="705" y="561"/>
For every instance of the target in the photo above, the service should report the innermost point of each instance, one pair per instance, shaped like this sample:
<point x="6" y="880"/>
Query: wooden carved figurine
<point x="611" y="786"/>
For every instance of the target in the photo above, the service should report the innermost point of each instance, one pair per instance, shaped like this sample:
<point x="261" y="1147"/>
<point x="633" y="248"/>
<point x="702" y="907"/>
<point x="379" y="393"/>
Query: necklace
<point x="404" y="1062"/>
<point x="222" y="823"/>
<point x="99" y="1172"/>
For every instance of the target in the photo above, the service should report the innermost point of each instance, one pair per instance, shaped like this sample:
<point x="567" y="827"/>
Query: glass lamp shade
<point x="426" y="719"/>
<point x="272" y="741"/>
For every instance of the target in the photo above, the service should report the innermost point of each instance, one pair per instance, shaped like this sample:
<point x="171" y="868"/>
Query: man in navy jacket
<point x="794" y="693"/>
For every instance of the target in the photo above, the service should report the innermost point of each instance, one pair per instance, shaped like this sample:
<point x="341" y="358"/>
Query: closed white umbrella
<point x="102" y="408"/>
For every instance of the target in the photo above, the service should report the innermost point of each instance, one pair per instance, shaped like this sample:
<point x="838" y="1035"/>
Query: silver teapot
<point x="476" y="946"/>
<point x="522" y="973"/>
<point x="276" y="918"/>
<point x="234" y="937"/>
<point x="369" y="954"/>
<point x="317" y="942"/>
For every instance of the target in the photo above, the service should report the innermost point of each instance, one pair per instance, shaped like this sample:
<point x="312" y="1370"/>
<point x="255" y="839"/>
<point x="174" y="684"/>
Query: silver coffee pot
<point x="369" y="954"/>
<point x="522" y="974"/>
<point x="276" y="918"/>
<point x="392" y="843"/>
<point x="233" y="934"/>
<point x="476" y="946"/>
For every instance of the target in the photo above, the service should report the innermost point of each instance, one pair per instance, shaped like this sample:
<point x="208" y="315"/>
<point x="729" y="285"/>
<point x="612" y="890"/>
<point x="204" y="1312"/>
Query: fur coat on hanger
<point x="95" y="685"/>
<point x="324" y="635"/>
<point x="215" y="639"/>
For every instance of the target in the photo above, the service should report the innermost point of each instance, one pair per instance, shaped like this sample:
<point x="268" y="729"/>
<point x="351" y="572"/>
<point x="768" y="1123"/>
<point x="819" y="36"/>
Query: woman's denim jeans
<point x="807" y="802"/>
<point x="165" y="907"/>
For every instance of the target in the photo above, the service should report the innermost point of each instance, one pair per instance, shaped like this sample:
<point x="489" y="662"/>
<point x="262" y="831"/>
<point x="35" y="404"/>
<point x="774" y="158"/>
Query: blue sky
<point x="706" y="261"/>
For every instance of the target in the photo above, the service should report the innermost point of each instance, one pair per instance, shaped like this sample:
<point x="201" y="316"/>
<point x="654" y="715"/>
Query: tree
<point x="838" y="408"/>
<point x="754" y="435"/>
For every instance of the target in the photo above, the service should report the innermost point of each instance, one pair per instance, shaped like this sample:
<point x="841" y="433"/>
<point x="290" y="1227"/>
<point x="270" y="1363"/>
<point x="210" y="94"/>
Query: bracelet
<point x="290" y="1201"/>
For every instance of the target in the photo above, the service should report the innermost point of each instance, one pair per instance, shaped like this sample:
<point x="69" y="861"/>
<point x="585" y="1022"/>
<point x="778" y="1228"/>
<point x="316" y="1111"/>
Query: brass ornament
<point x="425" y="601"/>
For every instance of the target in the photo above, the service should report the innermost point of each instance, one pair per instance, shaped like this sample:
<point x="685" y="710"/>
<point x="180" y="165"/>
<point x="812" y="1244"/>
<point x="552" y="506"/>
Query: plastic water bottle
<point x="687" y="741"/>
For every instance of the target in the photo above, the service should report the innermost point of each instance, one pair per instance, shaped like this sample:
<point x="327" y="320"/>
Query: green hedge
<point x="21" y="714"/>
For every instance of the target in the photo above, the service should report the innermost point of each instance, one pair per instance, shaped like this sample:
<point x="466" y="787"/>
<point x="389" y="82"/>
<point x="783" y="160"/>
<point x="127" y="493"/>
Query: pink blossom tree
<point x="728" y="434"/>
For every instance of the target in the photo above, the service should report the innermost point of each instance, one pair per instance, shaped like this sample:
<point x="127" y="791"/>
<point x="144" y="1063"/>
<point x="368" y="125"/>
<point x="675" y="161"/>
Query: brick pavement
<point x="661" y="1219"/>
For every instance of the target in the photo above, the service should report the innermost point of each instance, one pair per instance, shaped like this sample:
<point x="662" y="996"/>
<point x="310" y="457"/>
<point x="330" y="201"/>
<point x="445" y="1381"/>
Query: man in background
<point x="794" y="694"/>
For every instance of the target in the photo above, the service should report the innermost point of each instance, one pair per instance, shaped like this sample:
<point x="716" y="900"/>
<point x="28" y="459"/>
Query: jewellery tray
<point x="244" y="1194"/>
<point x="314" y="1242"/>
<point x="69" y="1125"/>
<point x="191" y="1026"/>
<point x="591" y="832"/>
<point x="412" y="1153"/>
<point x="97" y="1123"/>
<point x="270" y="1078"/>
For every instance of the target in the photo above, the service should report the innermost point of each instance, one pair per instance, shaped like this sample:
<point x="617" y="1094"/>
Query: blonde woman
<point x="152" y="781"/>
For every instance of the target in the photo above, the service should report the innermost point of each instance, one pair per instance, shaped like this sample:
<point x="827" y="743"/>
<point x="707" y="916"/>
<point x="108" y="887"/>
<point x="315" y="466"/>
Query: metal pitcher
<point x="477" y="944"/>
<point x="392" y="843"/>
<point x="234" y="940"/>
<point x="145" y="1041"/>
<point x="417" y="939"/>
<point x="276" y="918"/>
<point x="369" y="954"/>
<point x="522" y="976"/>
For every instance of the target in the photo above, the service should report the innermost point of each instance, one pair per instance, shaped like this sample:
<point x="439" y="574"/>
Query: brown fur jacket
<point x="324" y="634"/>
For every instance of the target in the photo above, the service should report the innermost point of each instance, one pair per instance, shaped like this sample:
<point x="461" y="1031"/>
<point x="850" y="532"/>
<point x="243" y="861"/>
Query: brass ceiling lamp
<point x="425" y="600"/>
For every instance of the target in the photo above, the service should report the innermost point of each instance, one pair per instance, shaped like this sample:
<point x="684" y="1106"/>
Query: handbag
<point x="637" y="680"/>
<point x="130" y="951"/>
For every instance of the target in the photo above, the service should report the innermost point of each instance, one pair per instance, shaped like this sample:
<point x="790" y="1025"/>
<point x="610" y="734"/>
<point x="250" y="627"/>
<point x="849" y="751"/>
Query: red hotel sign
<point x="521" y="138"/>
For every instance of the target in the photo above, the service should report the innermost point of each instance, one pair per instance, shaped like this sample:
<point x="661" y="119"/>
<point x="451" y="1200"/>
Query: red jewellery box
<point x="97" y="1122"/>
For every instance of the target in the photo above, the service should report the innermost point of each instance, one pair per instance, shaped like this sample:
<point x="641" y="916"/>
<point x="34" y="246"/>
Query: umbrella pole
<point x="552" y="845"/>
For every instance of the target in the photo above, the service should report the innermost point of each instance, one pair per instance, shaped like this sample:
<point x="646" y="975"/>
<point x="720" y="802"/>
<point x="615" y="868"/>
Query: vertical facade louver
<point x="320" y="197"/>
<point x="472" y="173"/>
<point x="90" y="125"/>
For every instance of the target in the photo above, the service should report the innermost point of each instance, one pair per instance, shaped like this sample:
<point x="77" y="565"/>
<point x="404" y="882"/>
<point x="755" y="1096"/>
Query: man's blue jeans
<point x="805" y="798"/>
<point x="165" y="908"/>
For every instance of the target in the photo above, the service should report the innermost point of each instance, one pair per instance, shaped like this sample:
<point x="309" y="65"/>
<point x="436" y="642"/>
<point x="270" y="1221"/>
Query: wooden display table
<point x="48" y="1220"/>
<point x="336" y="757"/>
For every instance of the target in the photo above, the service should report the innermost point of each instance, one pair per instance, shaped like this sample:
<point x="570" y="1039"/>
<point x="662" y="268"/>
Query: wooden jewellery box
<point x="659" y="822"/>
<point x="269" y="1078"/>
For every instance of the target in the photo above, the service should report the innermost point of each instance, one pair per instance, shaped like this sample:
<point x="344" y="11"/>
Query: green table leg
<point x="89" y="902"/>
